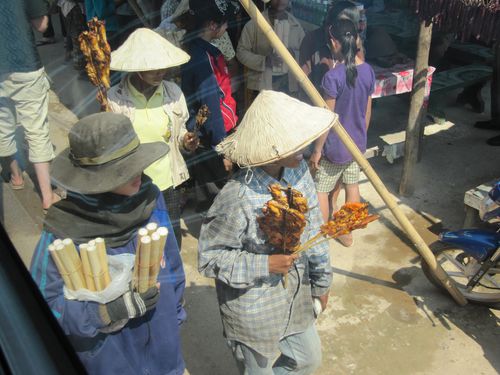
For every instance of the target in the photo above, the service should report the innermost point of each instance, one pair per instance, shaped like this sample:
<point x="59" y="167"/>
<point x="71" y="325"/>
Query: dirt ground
<point x="384" y="317"/>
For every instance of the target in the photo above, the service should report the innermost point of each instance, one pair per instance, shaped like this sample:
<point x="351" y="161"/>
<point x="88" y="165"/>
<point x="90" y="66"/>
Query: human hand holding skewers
<point x="191" y="141"/>
<point x="281" y="263"/>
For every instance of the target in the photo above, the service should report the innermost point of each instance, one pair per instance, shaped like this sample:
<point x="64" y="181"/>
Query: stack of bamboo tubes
<point x="150" y="244"/>
<point x="87" y="270"/>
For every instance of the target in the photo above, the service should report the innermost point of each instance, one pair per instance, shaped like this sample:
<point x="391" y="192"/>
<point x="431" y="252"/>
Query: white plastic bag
<point x="120" y="271"/>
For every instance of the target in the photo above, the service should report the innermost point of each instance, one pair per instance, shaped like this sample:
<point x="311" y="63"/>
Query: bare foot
<point x="55" y="198"/>
<point x="346" y="240"/>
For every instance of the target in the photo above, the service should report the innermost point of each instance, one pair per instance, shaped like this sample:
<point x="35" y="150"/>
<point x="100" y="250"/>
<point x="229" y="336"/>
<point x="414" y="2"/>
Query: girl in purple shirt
<point x="347" y="89"/>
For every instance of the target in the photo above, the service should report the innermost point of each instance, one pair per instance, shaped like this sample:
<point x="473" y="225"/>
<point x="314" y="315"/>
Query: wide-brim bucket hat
<point x="146" y="50"/>
<point x="104" y="153"/>
<point x="274" y="127"/>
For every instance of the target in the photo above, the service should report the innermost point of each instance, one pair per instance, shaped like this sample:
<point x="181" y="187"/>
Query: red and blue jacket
<point x="206" y="80"/>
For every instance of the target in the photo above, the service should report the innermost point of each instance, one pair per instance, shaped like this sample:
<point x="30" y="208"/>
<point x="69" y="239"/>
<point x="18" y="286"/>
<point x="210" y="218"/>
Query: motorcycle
<point x="471" y="257"/>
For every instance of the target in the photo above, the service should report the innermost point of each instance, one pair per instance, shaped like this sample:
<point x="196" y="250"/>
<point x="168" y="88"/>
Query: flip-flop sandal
<point x="16" y="187"/>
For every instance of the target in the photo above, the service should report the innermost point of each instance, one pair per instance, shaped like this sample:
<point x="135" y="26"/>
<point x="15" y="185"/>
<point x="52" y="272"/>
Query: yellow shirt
<point x="152" y="124"/>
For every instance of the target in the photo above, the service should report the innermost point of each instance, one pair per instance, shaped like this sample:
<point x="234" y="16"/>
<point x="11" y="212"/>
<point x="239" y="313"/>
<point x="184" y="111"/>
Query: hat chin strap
<point x="103" y="159"/>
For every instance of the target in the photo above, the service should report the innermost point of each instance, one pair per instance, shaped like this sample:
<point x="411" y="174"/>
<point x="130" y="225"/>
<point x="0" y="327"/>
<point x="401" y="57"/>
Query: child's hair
<point x="345" y="32"/>
<point x="203" y="11"/>
<point x="342" y="10"/>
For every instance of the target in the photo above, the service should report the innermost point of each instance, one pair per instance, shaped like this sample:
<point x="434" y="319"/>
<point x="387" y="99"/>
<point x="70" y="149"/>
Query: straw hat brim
<point x="275" y="127"/>
<point x="106" y="177"/>
<point x="146" y="50"/>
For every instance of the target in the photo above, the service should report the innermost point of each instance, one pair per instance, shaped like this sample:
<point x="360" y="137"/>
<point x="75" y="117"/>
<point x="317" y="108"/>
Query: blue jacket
<point x="199" y="86"/>
<point x="146" y="345"/>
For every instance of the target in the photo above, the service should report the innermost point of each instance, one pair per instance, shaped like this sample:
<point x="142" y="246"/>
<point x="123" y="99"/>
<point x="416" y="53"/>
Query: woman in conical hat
<point x="156" y="107"/>
<point x="262" y="319"/>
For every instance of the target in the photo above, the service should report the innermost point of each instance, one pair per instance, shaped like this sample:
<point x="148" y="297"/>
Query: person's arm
<point x="40" y="24"/>
<point x="75" y="317"/>
<point x="221" y="252"/>
<point x="244" y="52"/>
<point x="188" y="141"/>
<point x="368" y="115"/>
<point x="320" y="142"/>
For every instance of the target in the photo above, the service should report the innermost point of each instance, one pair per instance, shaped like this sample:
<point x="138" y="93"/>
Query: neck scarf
<point x="114" y="217"/>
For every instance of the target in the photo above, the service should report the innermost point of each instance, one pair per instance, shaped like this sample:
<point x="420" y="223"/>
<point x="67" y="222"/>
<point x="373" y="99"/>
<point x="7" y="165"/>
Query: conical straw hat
<point x="274" y="127"/>
<point x="146" y="50"/>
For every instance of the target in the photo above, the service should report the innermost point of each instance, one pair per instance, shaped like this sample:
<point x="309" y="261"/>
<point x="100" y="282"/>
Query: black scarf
<point x="114" y="217"/>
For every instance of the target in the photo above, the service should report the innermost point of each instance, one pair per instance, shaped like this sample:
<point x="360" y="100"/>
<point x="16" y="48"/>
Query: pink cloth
<point x="398" y="80"/>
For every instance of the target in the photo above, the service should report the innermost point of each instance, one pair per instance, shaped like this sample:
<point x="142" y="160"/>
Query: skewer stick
<point x="87" y="270"/>
<point x="103" y="258"/>
<point x="56" y="256"/>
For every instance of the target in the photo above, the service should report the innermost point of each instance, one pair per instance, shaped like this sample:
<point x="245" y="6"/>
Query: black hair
<point x="345" y="32"/>
<point x="342" y="10"/>
<point x="202" y="12"/>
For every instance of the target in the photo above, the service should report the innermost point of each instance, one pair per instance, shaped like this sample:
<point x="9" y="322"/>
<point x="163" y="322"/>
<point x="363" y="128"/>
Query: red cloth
<point x="227" y="102"/>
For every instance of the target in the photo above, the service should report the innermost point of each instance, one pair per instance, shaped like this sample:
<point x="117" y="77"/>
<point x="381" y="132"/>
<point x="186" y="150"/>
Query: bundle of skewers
<point x="284" y="220"/>
<point x="150" y="245"/>
<point x="95" y="47"/>
<point x="87" y="269"/>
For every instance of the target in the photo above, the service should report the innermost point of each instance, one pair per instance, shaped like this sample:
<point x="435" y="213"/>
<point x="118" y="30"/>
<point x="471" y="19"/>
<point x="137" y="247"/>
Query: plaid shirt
<point x="255" y="307"/>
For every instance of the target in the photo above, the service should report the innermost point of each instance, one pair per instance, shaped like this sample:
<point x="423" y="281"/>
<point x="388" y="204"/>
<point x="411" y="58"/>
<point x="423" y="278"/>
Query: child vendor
<point x="263" y="316"/>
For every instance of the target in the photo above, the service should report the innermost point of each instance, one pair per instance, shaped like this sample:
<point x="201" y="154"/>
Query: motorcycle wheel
<point x="461" y="267"/>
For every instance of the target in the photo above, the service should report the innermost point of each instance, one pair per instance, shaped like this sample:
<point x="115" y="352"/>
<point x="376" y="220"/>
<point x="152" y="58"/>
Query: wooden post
<point x="414" y="127"/>
<point x="316" y="98"/>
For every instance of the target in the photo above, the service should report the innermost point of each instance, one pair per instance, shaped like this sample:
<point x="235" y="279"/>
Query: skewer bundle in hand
<point x="351" y="216"/>
<point x="95" y="47"/>
<point x="284" y="221"/>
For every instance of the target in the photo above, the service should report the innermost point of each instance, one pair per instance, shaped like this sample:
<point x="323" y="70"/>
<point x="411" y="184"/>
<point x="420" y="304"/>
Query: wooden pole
<point x="309" y="88"/>
<point x="414" y="132"/>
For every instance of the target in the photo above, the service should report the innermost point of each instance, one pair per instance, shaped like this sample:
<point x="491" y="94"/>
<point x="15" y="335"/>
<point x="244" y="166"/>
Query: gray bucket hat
<point x="104" y="153"/>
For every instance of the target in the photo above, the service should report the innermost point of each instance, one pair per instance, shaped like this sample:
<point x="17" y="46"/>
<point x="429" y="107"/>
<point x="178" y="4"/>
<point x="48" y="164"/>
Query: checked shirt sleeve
<point x="221" y="245"/>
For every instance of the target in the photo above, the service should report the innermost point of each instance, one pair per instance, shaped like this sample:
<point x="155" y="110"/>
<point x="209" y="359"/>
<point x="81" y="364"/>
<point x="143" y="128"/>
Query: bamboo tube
<point x="379" y="186"/>
<point x="55" y="254"/>
<point x="72" y="263"/>
<point x="103" y="258"/>
<point x="87" y="270"/>
<point x="156" y="254"/>
<point x="96" y="267"/>
<point x="142" y="232"/>
<point x="144" y="263"/>
<point x="163" y="232"/>
<point x="151" y="227"/>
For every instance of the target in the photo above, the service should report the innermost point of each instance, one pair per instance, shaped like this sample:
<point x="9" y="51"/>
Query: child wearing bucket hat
<point x="262" y="320"/>
<point x="109" y="197"/>
<point x="157" y="109"/>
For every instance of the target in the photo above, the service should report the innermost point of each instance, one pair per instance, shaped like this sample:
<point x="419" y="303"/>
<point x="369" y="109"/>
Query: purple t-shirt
<point x="350" y="105"/>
